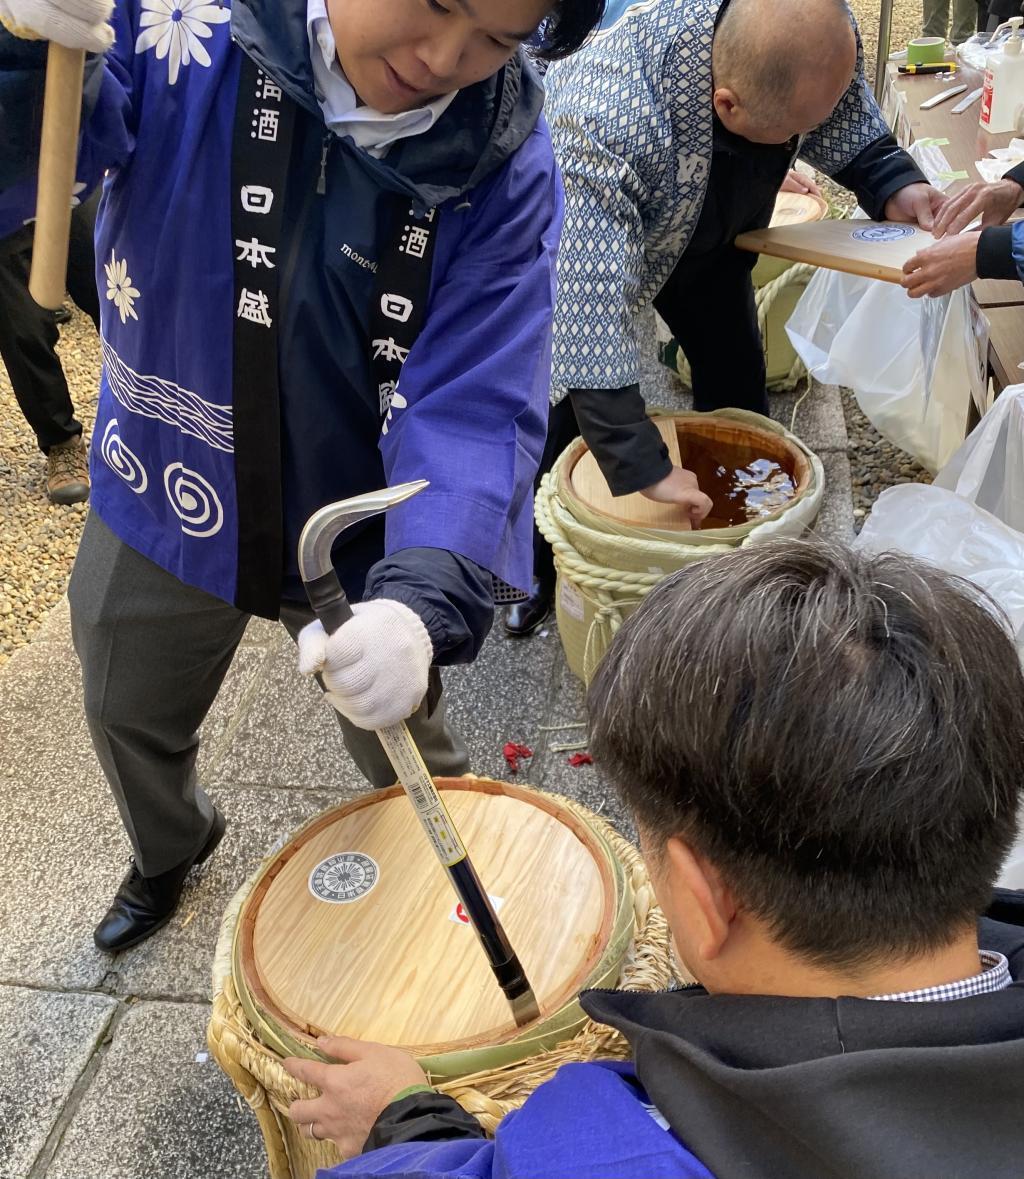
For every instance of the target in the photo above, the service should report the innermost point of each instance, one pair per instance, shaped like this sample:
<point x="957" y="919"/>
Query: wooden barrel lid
<point x="591" y="488"/>
<point x="795" y="208"/>
<point x="354" y="929"/>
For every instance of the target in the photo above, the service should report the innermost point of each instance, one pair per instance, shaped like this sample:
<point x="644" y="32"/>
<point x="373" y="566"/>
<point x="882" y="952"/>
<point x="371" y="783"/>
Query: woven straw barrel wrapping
<point x="488" y="1093"/>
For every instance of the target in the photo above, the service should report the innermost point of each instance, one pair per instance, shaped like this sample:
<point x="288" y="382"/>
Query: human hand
<point x="799" y="182"/>
<point x="75" y="24"/>
<point x="354" y="1093"/>
<point x="942" y="268"/>
<point x="993" y="203"/>
<point x="375" y="666"/>
<point x="917" y="203"/>
<point x="680" y="487"/>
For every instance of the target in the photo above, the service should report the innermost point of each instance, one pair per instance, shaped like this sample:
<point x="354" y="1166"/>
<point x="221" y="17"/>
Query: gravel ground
<point x="38" y="539"/>
<point x="875" y="464"/>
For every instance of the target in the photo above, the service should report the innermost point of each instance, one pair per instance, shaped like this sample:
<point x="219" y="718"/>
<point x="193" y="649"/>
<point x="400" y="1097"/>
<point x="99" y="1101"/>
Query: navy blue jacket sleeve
<point x="1001" y="251"/>
<point x="423" y="1117"/>
<point x="451" y="593"/>
<point x="876" y="173"/>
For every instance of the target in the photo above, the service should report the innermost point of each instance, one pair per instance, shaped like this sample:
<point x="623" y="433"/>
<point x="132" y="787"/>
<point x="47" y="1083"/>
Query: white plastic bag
<point x="988" y="469"/>
<point x="913" y="364"/>
<point x="956" y="535"/>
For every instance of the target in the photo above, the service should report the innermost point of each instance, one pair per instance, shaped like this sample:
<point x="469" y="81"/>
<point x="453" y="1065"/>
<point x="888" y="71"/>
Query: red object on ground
<point x="581" y="759"/>
<point x="514" y="753"/>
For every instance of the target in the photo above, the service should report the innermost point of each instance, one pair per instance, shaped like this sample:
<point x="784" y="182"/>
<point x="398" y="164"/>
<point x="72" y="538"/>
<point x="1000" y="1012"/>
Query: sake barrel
<point x="354" y="928"/>
<point x="351" y="927"/>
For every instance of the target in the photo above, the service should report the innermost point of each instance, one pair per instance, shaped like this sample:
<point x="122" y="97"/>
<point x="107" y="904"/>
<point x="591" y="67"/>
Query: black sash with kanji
<point x="260" y="152"/>
<point x="400" y="299"/>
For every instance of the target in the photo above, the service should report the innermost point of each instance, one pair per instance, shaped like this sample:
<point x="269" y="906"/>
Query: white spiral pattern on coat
<point x="193" y="500"/>
<point x="123" y="461"/>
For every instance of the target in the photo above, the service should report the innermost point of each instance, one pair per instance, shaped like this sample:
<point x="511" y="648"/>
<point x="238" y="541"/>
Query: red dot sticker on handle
<point x="459" y="916"/>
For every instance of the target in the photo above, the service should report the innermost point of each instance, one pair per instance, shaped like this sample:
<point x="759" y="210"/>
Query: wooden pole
<point x="58" y="155"/>
<point x="882" y="53"/>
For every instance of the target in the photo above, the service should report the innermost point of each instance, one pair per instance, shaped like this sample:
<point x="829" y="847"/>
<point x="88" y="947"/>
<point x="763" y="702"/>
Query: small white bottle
<point x="1003" y="93"/>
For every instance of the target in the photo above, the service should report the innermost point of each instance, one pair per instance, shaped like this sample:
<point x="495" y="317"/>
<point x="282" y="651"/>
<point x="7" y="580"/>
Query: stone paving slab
<point x="835" y="520"/>
<point x="153" y="1112"/>
<point x="583" y="783"/>
<point x="64" y="854"/>
<point x="48" y="1038"/>
<point x="176" y="963"/>
<point x="287" y="736"/>
<point x="502" y="696"/>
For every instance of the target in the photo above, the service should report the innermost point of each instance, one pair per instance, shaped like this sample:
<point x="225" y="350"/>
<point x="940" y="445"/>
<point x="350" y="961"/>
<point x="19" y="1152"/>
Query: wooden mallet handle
<point x="58" y="155"/>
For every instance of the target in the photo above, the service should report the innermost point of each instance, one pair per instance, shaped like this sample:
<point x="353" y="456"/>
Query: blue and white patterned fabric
<point x="631" y="123"/>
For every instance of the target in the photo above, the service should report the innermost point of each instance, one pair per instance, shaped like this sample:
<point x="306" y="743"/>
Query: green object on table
<point x="926" y="50"/>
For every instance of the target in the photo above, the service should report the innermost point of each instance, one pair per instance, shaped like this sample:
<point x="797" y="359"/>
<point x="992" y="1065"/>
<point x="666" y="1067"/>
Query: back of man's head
<point x="840" y="735"/>
<point x="781" y="66"/>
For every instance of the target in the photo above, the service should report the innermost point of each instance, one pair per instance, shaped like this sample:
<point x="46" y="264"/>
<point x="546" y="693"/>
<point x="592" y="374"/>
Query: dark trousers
<point x="708" y="305"/>
<point x="154" y="653"/>
<point x="28" y="333"/>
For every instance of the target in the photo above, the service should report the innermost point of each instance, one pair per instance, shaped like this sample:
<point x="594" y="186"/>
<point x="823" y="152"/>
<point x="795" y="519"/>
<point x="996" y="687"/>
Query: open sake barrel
<point x="606" y="565"/>
<point x="703" y="440"/>
<point x="352" y="928"/>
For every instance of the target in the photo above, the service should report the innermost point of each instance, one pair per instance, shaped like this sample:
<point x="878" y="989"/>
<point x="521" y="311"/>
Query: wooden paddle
<point x="58" y="155"/>
<point x="874" y="249"/>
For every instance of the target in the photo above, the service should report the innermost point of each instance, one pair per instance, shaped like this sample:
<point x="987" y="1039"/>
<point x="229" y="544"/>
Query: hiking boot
<point x="144" y="904"/>
<point x="67" y="472"/>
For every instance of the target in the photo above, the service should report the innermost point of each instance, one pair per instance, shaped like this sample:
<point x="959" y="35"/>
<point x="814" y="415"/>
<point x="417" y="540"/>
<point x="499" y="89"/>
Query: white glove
<point x="375" y="667"/>
<point x="76" y="24"/>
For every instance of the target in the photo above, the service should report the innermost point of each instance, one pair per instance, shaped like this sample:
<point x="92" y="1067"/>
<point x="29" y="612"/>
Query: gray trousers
<point x="936" y="19"/>
<point x="154" y="653"/>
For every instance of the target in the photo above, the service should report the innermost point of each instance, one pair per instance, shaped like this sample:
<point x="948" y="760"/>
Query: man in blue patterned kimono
<point x="674" y="128"/>
<point x="268" y="163"/>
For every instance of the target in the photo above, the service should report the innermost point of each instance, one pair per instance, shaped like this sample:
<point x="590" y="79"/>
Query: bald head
<point x="781" y="66"/>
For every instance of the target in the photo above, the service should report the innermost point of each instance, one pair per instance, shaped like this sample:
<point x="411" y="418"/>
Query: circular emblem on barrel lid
<point x="883" y="233"/>
<point x="344" y="877"/>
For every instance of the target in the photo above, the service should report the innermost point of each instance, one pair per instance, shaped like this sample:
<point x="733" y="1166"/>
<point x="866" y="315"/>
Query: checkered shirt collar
<point x="993" y="976"/>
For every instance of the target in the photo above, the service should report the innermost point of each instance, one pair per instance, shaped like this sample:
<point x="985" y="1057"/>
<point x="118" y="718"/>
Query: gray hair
<point x="841" y="734"/>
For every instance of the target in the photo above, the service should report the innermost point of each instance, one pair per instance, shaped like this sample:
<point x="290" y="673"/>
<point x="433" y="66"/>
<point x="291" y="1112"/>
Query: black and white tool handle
<point x="331" y="606"/>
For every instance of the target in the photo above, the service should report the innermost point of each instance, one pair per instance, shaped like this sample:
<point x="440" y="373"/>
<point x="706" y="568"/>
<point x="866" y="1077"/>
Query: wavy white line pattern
<point x="121" y="460"/>
<point x="153" y="397"/>
<point x="194" y="501"/>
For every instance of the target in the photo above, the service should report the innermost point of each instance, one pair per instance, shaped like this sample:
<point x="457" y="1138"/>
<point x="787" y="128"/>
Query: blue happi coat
<point x="590" y="1121"/>
<point x="469" y="412"/>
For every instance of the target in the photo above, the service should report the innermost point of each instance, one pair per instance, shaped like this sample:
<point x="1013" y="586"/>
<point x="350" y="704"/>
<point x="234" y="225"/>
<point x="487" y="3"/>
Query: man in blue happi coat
<point x="270" y="166"/>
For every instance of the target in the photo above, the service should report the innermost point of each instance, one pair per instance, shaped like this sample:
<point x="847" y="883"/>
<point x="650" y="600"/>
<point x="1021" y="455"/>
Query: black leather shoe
<point x="144" y="904"/>
<point x="523" y="618"/>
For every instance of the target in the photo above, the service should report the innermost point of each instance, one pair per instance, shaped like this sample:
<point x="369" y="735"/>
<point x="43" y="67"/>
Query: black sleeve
<point x="626" y="443"/>
<point x="880" y="170"/>
<point x="995" y="253"/>
<point x="1016" y="174"/>
<point x="452" y="594"/>
<point x="422" y="1117"/>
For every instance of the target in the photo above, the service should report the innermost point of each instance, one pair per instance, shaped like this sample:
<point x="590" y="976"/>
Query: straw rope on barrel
<point x="488" y="1092"/>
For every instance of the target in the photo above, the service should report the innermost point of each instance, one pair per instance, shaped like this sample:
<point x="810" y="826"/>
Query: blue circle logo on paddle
<point x="883" y="233"/>
<point x="343" y="878"/>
